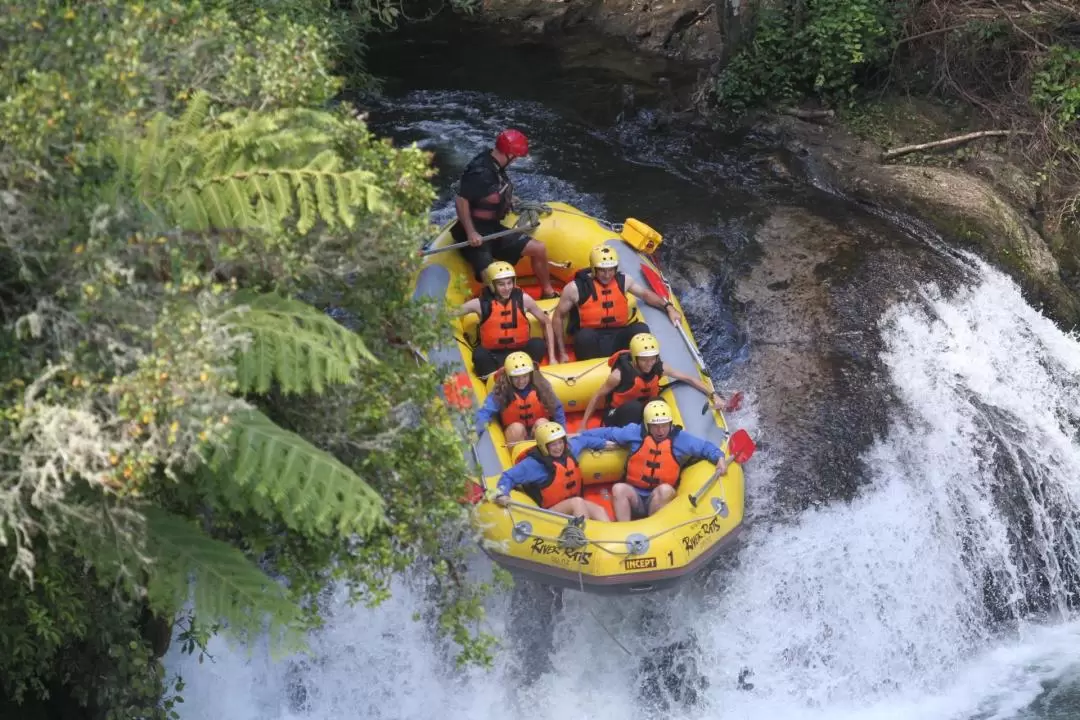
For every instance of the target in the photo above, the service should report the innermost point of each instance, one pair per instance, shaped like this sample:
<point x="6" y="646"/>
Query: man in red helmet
<point x="483" y="200"/>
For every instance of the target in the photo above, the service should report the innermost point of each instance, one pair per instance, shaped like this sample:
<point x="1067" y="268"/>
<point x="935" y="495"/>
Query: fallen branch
<point x="806" y="114"/>
<point x="947" y="142"/>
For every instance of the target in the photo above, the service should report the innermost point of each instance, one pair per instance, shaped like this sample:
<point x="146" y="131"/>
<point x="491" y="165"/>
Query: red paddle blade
<point x="741" y="446"/>
<point x="473" y="494"/>
<point x="656" y="283"/>
<point x="734" y="402"/>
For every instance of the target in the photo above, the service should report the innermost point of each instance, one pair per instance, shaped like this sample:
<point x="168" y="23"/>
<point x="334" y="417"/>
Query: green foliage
<point x="227" y="587"/>
<point x="245" y="170"/>
<point x="281" y="475"/>
<point x="1056" y="85"/>
<point x="179" y="421"/>
<point x="295" y="345"/>
<point x="816" y="47"/>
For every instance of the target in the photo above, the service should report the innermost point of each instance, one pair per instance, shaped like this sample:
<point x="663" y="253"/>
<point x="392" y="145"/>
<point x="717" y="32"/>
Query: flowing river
<point x="913" y="548"/>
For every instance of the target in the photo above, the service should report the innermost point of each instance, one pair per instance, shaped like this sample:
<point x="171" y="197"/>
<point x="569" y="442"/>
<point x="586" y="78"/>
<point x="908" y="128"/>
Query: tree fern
<point x="287" y="477"/>
<point x="244" y="170"/>
<point x="295" y="344"/>
<point x="227" y="586"/>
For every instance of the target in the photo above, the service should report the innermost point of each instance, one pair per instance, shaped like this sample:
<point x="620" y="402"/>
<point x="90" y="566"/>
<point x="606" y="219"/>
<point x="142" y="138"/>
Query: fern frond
<point x="227" y="586"/>
<point x="195" y="113"/>
<point x="305" y="201"/>
<point x="199" y="171"/>
<point x="308" y="488"/>
<point x="295" y="344"/>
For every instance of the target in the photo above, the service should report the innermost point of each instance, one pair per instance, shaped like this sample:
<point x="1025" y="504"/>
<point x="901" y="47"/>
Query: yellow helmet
<point x="658" y="412"/>
<point x="547" y="433"/>
<point x="518" y="363"/>
<point x="603" y="256"/>
<point x="498" y="270"/>
<point x="643" y="345"/>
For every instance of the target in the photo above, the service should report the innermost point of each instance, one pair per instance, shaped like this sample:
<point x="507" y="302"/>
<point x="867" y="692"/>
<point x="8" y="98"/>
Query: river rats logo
<point x="640" y="563"/>
<point x="692" y="541"/>
<point x="542" y="547"/>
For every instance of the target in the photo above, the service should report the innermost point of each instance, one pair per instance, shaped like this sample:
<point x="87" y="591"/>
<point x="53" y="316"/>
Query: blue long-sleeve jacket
<point x="531" y="472"/>
<point x="490" y="410"/>
<point x="684" y="446"/>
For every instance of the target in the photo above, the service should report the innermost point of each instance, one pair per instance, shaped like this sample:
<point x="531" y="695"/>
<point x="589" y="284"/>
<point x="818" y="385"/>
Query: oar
<point x="742" y="447"/>
<point x="536" y="508"/>
<point x="486" y="238"/>
<point x="660" y="286"/>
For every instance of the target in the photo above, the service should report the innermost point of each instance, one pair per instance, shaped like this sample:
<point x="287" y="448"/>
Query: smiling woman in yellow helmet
<point x="550" y="475"/>
<point x="634" y="380"/>
<point x="504" y="326"/>
<point x="521" y="398"/>
<point x="598" y="309"/>
<point x="659" y="450"/>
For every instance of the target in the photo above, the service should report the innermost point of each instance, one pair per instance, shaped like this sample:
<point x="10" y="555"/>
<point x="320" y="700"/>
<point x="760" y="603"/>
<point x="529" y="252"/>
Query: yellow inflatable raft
<point x="610" y="557"/>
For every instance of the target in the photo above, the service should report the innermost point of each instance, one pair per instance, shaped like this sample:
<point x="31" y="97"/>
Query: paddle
<point x="742" y="448"/>
<point x="486" y="238"/>
<point x="571" y="519"/>
<point x="661" y="287"/>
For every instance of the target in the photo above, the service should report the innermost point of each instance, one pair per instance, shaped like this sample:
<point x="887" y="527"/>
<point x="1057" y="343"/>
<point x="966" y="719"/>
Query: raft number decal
<point x="692" y="541"/>
<point x="542" y="547"/>
<point x="640" y="563"/>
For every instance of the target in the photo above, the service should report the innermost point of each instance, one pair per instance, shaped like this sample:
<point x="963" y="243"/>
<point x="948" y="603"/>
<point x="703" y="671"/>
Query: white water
<point x="873" y="609"/>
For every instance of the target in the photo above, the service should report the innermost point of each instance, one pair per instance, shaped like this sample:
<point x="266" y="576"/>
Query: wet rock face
<point x="965" y="209"/>
<point x="690" y="30"/>
<point x="811" y="305"/>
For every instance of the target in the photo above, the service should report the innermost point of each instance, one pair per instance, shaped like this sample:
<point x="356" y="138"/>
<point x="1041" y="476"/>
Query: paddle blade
<point x="734" y="402"/>
<point x="473" y="494"/>
<point x="741" y="446"/>
<point x="656" y="283"/>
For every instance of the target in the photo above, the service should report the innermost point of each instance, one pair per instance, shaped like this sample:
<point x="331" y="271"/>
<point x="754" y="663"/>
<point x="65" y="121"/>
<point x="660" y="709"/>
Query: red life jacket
<point x="503" y="325"/>
<point x="633" y="385"/>
<point x="564" y="479"/>
<point x="600" y="306"/>
<point x="654" y="463"/>
<point x="527" y="410"/>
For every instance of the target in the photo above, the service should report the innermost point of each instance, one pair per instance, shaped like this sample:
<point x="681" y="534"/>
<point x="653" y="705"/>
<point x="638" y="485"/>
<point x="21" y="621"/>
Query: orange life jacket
<point x="600" y="306"/>
<point x="503" y="325"/>
<point x="633" y="385"/>
<point x="527" y="410"/>
<point x="564" y="479"/>
<point x="653" y="463"/>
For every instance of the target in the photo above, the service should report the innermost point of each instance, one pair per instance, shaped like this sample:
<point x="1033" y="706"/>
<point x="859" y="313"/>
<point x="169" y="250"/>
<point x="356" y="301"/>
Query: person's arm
<point x="715" y="398"/>
<point x="471" y="306"/>
<point x="566" y="303"/>
<point x="545" y="323"/>
<point x="624" y="436"/>
<point x="638" y="290"/>
<point x="464" y="216"/>
<point x="587" y="441"/>
<point x="488" y="411"/>
<point x="526" y="472"/>
<point x="560" y="412"/>
<point x="610" y="384"/>
<point x="688" y="445"/>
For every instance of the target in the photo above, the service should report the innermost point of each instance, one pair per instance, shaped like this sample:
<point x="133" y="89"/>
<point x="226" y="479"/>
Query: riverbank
<point x="980" y="195"/>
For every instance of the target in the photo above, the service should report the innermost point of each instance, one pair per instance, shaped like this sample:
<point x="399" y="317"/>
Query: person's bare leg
<point x="660" y="497"/>
<point x="515" y="433"/>
<point x="596" y="512"/>
<point x="537" y="252"/>
<point x="625" y="498"/>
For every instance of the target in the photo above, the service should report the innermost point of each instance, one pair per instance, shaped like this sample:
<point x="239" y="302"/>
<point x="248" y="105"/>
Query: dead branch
<point x="947" y="142"/>
<point x="807" y="114"/>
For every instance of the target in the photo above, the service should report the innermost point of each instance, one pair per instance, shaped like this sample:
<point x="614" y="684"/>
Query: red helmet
<point x="512" y="142"/>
